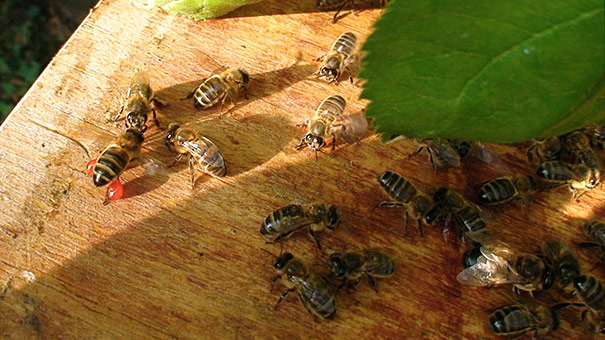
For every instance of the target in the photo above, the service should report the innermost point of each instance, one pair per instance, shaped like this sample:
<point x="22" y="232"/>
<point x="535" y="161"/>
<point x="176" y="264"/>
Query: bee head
<point x="169" y="141"/>
<point x="595" y="178"/>
<point x="244" y="75"/>
<point x="136" y="121"/>
<point x="330" y="73"/>
<point x="314" y="142"/>
<point x="337" y="265"/>
<point x="282" y="261"/>
<point x="332" y="218"/>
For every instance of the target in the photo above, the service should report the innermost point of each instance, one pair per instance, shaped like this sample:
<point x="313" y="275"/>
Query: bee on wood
<point x="441" y="152"/>
<point x="471" y="256"/>
<point x="354" y="265"/>
<point x="465" y="213"/>
<point x="548" y="149"/>
<point x="563" y="261"/>
<point x="590" y="291"/>
<point x="284" y="221"/>
<point x="503" y="190"/>
<point x="578" y="146"/>
<point x="597" y="135"/>
<point x="405" y="194"/>
<point x="223" y="84"/>
<point x="338" y="58"/>
<point x="314" y="291"/>
<point x="202" y="152"/>
<point x="113" y="161"/>
<point x="595" y="230"/>
<point x="328" y="5"/>
<point x="138" y="103"/>
<point x="516" y="320"/>
<point x="577" y="176"/>
<point x="499" y="264"/>
<point x="323" y="124"/>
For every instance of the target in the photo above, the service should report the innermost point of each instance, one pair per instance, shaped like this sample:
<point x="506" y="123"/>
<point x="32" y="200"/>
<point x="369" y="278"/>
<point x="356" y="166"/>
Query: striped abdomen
<point x="209" y="93"/>
<point x="556" y="171"/>
<point x="590" y="290"/>
<point x="510" y="320"/>
<point x="330" y="109"/>
<point x="345" y="44"/>
<point x="470" y="218"/>
<point x="331" y="4"/>
<point x="498" y="191"/>
<point x="284" y="220"/>
<point x="315" y="294"/>
<point x="397" y="187"/>
<point x="110" y="165"/>
<point x="596" y="232"/>
<point x="378" y="264"/>
<point x="210" y="158"/>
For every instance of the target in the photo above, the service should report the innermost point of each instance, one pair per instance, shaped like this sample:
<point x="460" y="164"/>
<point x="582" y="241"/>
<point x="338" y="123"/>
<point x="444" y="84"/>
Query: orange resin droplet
<point x="115" y="190"/>
<point x="90" y="166"/>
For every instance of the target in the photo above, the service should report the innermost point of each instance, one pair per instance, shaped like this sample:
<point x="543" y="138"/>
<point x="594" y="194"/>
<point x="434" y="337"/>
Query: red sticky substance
<point x="90" y="166"/>
<point x="115" y="190"/>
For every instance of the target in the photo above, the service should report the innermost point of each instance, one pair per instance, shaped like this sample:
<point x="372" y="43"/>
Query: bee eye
<point x="324" y="70"/>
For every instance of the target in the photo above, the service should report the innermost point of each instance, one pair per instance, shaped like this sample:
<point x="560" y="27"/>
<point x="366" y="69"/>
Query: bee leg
<point x="342" y="284"/>
<point x="191" y="93"/>
<point x="420" y="227"/>
<point x="282" y="296"/>
<point x="372" y="283"/>
<point x="117" y="115"/>
<point x="333" y="142"/>
<point x="305" y="124"/>
<point x="340" y="9"/>
<point x="273" y="282"/>
<point x="407" y="223"/>
<point x="192" y="171"/>
<point x="223" y="99"/>
<point x="155" y="118"/>
<point x="321" y="58"/>
<point x="315" y="238"/>
<point x="301" y="145"/>
<point x="390" y="204"/>
<point x="178" y="158"/>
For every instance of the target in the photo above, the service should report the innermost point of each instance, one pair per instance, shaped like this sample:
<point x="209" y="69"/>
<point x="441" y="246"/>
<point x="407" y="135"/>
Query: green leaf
<point x="489" y="70"/>
<point x="195" y="9"/>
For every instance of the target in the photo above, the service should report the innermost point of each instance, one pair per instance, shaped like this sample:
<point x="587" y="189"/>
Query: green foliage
<point x="490" y="70"/>
<point x="196" y="9"/>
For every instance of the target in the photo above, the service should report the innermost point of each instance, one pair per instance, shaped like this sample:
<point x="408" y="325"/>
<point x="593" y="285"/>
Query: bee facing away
<point x="323" y="124"/>
<point x="499" y="264"/>
<point x="590" y="290"/>
<point x="465" y="213"/>
<point x="577" y="176"/>
<point x="354" y="265"/>
<point x="201" y="150"/>
<point x="577" y="145"/>
<point x="503" y="190"/>
<point x="113" y="161"/>
<point x="563" y="261"/>
<point x="548" y="149"/>
<point x="516" y="320"/>
<point x="138" y="103"/>
<point x="405" y="194"/>
<point x="223" y="84"/>
<point x="284" y="221"/>
<point x="313" y="289"/>
<point x="338" y="58"/>
<point x="595" y="230"/>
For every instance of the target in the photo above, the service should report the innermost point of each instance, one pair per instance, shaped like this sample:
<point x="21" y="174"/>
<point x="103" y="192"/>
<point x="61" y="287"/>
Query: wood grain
<point x="167" y="262"/>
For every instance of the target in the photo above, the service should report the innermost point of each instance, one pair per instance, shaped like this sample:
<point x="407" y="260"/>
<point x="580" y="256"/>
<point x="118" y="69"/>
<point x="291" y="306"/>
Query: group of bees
<point x="566" y="160"/>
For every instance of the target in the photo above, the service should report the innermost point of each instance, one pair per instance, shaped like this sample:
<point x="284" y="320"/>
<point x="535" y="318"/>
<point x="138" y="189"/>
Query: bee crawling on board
<point x="223" y="84"/>
<point x="466" y="214"/>
<point x="338" y="58"/>
<point x="113" y="161"/>
<point x="323" y="124"/>
<point x="595" y="230"/>
<point x="446" y="153"/>
<point x="139" y="102"/>
<point x="576" y="176"/>
<point x="590" y="291"/>
<point x="503" y="190"/>
<point x="518" y="319"/>
<point x="354" y="265"/>
<point x="203" y="153"/>
<point x="328" y="5"/>
<point x="284" y="221"/>
<point x="314" y="290"/>
<point x="548" y="149"/>
<point x="563" y="261"/>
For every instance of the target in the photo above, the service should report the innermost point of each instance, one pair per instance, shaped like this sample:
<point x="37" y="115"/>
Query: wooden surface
<point x="169" y="263"/>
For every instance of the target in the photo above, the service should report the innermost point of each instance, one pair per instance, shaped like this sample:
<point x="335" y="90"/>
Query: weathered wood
<point x="169" y="263"/>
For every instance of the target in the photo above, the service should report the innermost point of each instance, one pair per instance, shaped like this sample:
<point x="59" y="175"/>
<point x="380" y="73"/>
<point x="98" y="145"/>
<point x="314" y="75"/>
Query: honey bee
<point x="223" y="84"/>
<point x="201" y="150"/>
<point x="405" y="194"/>
<point x="590" y="291"/>
<point x="284" y="221"/>
<point x="577" y="176"/>
<point x="548" y="149"/>
<point x="354" y="265"/>
<point x="595" y="320"/>
<point x="323" y="124"/>
<point x="597" y="135"/>
<point x="563" y="261"/>
<point x="516" y="320"/>
<point x="113" y="161"/>
<point x="314" y="291"/>
<point x="338" y="59"/>
<point x="441" y="152"/>
<point x="595" y="230"/>
<point x="138" y="103"/>
<point x="503" y="190"/>
<point x="465" y="213"/>
<point x="578" y="146"/>
<point x="328" y="5"/>
<point x="499" y="264"/>
<point x="471" y="256"/>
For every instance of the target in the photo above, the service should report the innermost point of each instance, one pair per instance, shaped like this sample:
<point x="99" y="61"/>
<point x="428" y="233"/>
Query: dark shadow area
<point x="293" y="7"/>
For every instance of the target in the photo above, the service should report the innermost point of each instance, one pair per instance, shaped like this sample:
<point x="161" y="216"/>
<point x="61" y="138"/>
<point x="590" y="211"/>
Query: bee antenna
<point x="566" y="304"/>
<point x="345" y="228"/>
<point x="268" y="252"/>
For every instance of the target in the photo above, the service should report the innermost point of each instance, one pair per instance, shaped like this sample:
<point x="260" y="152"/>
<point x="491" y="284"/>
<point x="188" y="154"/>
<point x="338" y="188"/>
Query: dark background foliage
<point x="31" y="33"/>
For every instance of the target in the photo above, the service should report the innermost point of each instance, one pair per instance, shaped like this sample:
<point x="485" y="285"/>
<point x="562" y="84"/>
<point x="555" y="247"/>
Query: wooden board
<point x="167" y="262"/>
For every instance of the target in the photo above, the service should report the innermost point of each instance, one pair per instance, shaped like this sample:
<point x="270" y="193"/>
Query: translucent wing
<point x="315" y="294"/>
<point x="353" y="127"/>
<point x="376" y="263"/>
<point x="445" y="151"/>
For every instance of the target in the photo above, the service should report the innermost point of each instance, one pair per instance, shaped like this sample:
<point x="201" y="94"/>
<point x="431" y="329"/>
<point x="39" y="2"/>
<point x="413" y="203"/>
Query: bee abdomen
<point x="503" y="321"/>
<point x="555" y="171"/>
<point x="470" y="218"/>
<point x="213" y="162"/>
<point x="397" y="187"/>
<point x="345" y="43"/>
<point x="591" y="291"/>
<point x="331" y="107"/>
<point x="329" y="4"/>
<point x="208" y="94"/>
<point x="497" y="191"/>
<point x="383" y="264"/>
<point x="273" y="224"/>
<point x="110" y="165"/>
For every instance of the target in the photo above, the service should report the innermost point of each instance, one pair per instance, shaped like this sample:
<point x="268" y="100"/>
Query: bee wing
<point x="482" y="152"/>
<point x="444" y="150"/>
<point x="487" y="272"/>
<point x="219" y="70"/>
<point x="353" y="127"/>
<point x="317" y="297"/>
<point x="152" y="165"/>
<point x="497" y="251"/>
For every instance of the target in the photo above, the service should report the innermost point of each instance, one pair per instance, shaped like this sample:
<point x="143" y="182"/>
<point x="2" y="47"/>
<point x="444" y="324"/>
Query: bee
<point x="138" y="103"/>
<point x="563" y="261"/>
<point x="595" y="320"/>
<point x="577" y="176"/>
<point x="578" y="146"/>
<point x="503" y="190"/>
<point x="201" y="150"/>
<point x="595" y="230"/>
<point x="590" y="291"/>
<point x="323" y="124"/>
<point x="471" y="256"/>
<point x="597" y="135"/>
<point x="327" y="5"/>
<point x="284" y="221"/>
<point x="314" y="291"/>
<point x="499" y="264"/>
<point x="354" y="265"/>
<point x="338" y="59"/>
<point x="222" y="84"/>
<point x="441" y="152"/>
<point x="516" y="320"/>
<point x="465" y="213"/>
<point x="113" y="161"/>
<point x="405" y="194"/>
<point x="548" y="149"/>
